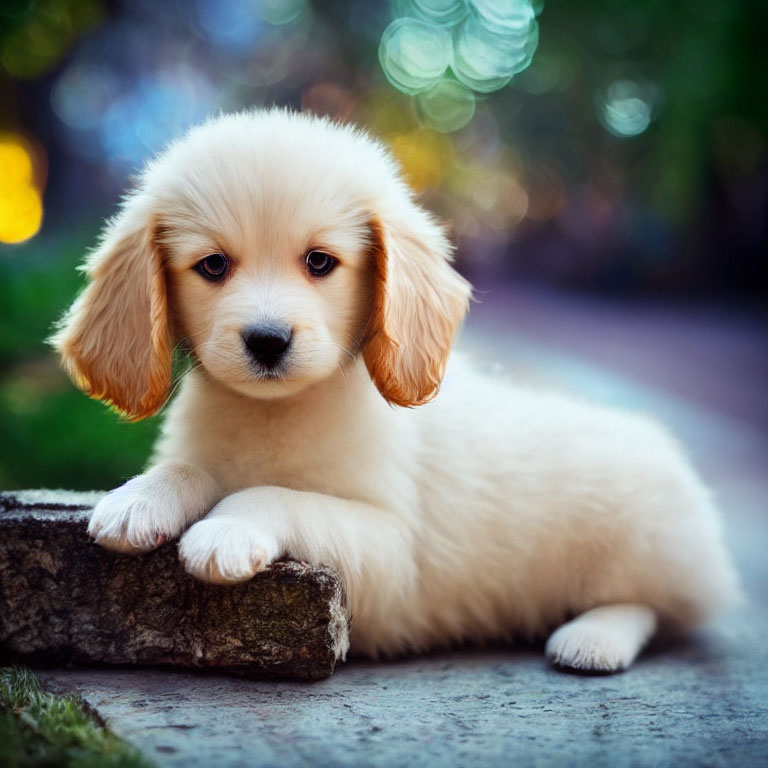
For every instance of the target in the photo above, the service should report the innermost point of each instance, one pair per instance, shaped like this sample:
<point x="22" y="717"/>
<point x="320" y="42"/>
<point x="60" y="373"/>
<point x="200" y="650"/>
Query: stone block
<point x="65" y="600"/>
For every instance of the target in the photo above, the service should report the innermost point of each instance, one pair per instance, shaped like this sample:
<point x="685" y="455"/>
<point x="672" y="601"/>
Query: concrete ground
<point x="703" y="701"/>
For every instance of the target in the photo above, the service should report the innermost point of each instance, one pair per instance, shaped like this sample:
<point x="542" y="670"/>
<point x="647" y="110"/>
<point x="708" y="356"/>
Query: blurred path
<point x="702" y="702"/>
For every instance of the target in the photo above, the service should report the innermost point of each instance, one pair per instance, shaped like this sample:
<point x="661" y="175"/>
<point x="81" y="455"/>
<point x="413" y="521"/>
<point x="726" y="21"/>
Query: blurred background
<point x="602" y="165"/>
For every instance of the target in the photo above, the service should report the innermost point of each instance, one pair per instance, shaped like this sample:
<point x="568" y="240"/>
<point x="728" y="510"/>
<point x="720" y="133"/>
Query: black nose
<point x="267" y="343"/>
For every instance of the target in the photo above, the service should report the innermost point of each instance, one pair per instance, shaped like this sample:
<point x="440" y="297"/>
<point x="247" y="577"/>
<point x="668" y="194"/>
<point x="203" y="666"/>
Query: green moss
<point x="37" y="729"/>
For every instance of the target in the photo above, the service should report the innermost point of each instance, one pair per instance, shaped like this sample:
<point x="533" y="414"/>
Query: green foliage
<point x="53" y="436"/>
<point x="61" y="439"/>
<point x="40" y="730"/>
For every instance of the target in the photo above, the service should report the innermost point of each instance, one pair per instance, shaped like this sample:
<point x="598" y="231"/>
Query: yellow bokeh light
<point x="424" y="156"/>
<point x="21" y="204"/>
<point x="15" y="166"/>
<point x="20" y="215"/>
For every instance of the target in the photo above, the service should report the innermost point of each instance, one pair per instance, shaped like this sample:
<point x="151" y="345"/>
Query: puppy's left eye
<point x="320" y="263"/>
<point x="213" y="267"/>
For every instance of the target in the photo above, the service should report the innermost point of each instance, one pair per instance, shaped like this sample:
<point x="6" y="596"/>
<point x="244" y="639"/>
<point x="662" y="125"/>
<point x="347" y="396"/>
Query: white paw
<point x="225" y="550"/>
<point x="590" y="648"/>
<point x="129" y="519"/>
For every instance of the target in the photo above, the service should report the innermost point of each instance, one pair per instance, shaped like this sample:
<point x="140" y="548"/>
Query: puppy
<point x="317" y="299"/>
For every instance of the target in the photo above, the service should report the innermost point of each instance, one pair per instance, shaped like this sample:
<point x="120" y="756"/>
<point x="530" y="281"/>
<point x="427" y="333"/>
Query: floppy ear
<point x="114" y="341"/>
<point x="419" y="302"/>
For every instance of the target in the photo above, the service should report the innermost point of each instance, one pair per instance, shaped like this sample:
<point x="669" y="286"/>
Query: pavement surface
<point x="702" y="701"/>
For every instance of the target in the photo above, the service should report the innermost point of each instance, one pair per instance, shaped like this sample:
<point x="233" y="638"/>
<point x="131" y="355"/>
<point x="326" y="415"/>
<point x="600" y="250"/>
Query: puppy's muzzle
<point x="267" y="343"/>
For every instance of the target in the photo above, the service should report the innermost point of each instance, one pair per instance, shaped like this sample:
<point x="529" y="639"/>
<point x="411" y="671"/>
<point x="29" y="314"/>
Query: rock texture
<point x="64" y="599"/>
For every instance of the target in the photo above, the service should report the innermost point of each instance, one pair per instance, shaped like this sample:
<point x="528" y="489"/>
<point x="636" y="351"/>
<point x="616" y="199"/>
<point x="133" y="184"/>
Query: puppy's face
<point x="281" y="297"/>
<point x="277" y="248"/>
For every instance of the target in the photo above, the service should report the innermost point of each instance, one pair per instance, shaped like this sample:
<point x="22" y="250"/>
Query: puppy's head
<point x="277" y="248"/>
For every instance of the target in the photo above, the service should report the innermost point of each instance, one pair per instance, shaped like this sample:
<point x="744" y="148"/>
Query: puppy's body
<point x="489" y="512"/>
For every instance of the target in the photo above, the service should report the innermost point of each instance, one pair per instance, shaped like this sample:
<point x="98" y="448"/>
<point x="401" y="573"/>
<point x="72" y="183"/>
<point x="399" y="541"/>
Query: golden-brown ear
<point x="419" y="302"/>
<point x="115" y="341"/>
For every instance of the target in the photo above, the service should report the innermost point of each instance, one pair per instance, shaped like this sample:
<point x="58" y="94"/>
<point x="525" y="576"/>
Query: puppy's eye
<point x="213" y="267"/>
<point x="320" y="263"/>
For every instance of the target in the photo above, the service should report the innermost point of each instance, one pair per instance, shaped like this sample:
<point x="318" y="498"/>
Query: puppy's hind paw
<point x="605" y="639"/>
<point x="585" y="650"/>
<point x="223" y="550"/>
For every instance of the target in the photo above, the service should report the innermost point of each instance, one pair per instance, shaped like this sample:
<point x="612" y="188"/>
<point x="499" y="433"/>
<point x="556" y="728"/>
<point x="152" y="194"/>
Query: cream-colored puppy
<point x="288" y="256"/>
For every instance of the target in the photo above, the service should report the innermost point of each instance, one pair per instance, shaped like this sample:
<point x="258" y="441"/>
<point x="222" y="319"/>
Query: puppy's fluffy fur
<point x="487" y="512"/>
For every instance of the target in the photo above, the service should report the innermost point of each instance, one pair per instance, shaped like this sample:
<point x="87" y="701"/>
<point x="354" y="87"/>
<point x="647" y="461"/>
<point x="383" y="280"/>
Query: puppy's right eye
<point x="214" y="267"/>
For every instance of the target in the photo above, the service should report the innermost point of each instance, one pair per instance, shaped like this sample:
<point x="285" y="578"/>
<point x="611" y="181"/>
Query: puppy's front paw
<point x="130" y="520"/>
<point x="226" y="550"/>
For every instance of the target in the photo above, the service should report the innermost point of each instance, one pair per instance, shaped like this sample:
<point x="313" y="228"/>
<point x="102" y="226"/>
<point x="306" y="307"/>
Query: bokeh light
<point x="443" y="12"/>
<point x="456" y="90"/>
<point x="494" y="44"/>
<point x="424" y="156"/>
<point x="21" y="204"/>
<point x="237" y="25"/>
<point x="82" y="94"/>
<point x="627" y="107"/>
<point x="282" y="54"/>
<point x="482" y="44"/>
<point x="446" y="106"/>
<point x="233" y="24"/>
<point x="142" y="120"/>
<point x="414" y="54"/>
